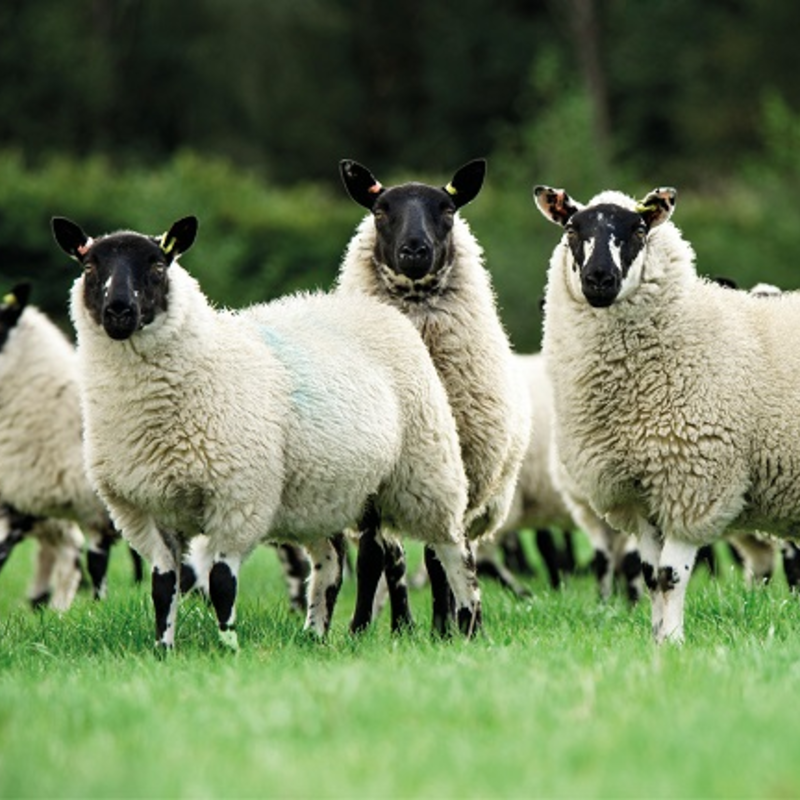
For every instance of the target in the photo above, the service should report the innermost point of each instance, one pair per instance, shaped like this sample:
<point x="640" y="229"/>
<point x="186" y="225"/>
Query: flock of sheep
<point x="661" y="415"/>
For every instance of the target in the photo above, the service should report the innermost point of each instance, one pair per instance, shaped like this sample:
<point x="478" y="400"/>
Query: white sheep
<point x="541" y="503"/>
<point x="41" y="453"/>
<point x="279" y="422"/>
<point x="415" y="252"/>
<point x="677" y="400"/>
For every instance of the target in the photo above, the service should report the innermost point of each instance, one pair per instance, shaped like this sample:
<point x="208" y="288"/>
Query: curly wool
<point x="678" y="405"/>
<point x="460" y="326"/>
<point x="41" y="447"/>
<point x="273" y="422"/>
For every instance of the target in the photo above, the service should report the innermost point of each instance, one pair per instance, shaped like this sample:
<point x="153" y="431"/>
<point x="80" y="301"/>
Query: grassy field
<point x="561" y="697"/>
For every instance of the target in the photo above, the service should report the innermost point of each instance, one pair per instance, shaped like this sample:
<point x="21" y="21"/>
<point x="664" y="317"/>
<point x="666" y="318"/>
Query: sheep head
<point x="606" y="240"/>
<point x="413" y="221"/>
<point x="125" y="274"/>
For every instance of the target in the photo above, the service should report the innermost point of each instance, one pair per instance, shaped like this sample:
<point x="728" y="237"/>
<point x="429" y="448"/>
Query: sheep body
<point x="543" y="498"/>
<point x="677" y="402"/>
<point x="277" y="423"/>
<point x="41" y="448"/>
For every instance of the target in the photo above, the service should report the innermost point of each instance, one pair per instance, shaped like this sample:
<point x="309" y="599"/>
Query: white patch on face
<point x="632" y="281"/>
<point x="107" y="285"/>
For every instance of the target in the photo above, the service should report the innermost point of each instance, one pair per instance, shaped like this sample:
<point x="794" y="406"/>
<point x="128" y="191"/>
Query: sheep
<point x="676" y="399"/>
<point x="540" y="502"/>
<point x="286" y="421"/>
<point x="415" y="252"/>
<point x="41" y="453"/>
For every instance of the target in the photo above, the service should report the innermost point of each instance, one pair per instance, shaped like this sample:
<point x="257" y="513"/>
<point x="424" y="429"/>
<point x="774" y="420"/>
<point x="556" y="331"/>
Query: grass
<point x="562" y="697"/>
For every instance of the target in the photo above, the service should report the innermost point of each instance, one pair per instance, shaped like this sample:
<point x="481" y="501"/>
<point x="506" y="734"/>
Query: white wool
<point x="678" y="405"/>
<point x="461" y="327"/>
<point x="274" y="422"/>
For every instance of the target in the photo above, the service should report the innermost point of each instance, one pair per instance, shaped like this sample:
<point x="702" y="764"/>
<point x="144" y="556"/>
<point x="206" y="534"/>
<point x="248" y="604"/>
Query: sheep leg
<point x="545" y="543"/>
<point x="791" y="564"/>
<point x="7" y="545"/>
<point x="489" y="566"/>
<point x="370" y="564"/>
<point x="397" y="585"/>
<point x="66" y="575"/>
<point x="40" y="591"/>
<point x="222" y="588"/>
<point x="97" y="557"/>
<point x="442" y="597"/>
<point x="514" y="554"/>
<point x="295" y="573"/>
<point x="458" y="562"/>
<point x="327" y="558"/>
<point x="674" y="571"/>
<point x="650" y="545"/>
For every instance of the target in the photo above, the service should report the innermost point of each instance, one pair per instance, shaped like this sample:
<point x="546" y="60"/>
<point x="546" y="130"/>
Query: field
<point x="561" y="697"/>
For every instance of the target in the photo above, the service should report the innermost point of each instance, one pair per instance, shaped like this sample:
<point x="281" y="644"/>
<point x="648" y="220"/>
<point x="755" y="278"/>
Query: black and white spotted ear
<point x="658" y="206"/>
<point x="179" y="238"/>
<point x="70" y="237"/>
<point x="555" y="204"/>
<point x="467" y="182"/>
<point x="360" y="183"/>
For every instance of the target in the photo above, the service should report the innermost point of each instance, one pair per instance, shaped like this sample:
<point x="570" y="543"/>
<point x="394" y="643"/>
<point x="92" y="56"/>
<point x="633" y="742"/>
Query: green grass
<point x="562" y="697"/>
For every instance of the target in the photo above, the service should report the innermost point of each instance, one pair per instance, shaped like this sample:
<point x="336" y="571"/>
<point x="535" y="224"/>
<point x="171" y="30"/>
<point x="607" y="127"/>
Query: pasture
<point x="561" y="697"/>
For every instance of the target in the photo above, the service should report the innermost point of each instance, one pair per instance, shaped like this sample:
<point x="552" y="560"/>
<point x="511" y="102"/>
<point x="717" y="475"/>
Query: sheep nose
<point x="120" y="319"/>
<point x="414" y="258"/>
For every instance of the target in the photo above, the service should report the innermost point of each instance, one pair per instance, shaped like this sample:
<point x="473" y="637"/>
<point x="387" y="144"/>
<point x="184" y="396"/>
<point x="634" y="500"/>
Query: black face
<point x="605" y="241"/>
<point x="414" y="223"/>
<point x="125" y="282"/>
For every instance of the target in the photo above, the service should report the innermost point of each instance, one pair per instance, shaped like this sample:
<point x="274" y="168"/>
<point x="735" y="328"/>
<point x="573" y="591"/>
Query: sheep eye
<point x="379" y="214"/>
<point x="640" y="232"/>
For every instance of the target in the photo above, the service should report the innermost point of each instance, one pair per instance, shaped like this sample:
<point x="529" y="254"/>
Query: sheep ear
<point x="70" y="237"/>
<point x="360" y="183"/>
<point x="658" y="206"/>
<point x="179" y="238"/>
<point x="467" y="182"/>
<point x="11" y="307"/>
<point x="555" y="204"/>
<point x="17" y="298"/>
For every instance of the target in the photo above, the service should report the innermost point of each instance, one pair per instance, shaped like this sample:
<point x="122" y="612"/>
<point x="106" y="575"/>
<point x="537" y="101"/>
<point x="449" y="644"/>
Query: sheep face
<point x="11" y="308"/>
<point x="606" y="243"/>
<point x="413" y="221"/>
<point x="125" y="279"/>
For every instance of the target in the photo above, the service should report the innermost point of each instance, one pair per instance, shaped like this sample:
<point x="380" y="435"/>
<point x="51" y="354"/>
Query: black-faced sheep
<point x="414" y="251"/>
<point x="279" y="422"/>
<point x="668" y="434"/>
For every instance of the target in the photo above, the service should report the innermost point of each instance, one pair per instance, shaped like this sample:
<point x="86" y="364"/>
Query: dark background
<point x="134" y="113"/>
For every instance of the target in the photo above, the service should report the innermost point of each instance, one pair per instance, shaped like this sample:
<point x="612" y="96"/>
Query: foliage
<point x="562" y="697"/>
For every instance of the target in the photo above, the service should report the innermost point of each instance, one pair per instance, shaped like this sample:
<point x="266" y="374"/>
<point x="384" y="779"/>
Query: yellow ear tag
<point x="10" y="299"/>
<point x="451" y="190"/>
<point x="167" y="244"/>
<point x="640" y="209"/>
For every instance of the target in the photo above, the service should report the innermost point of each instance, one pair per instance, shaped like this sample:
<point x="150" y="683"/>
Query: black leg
<point x="164" y="590"/>
<point x="97" y="564"/>
<point x="137" y="562"/>
<point x="395" y="571"/>
<point x="514" y="555"/>
<point x="370" y="564"/>
<point x="546" y="544"/>
<point x="443" y="601"/>
<point x="791" y="564"/>
<point x="295" y="572"/>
